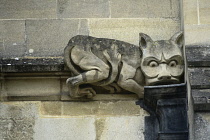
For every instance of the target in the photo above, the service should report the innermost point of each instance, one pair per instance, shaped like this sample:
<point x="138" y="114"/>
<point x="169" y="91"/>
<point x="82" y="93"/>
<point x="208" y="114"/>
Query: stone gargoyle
<point x="117" y="66"/>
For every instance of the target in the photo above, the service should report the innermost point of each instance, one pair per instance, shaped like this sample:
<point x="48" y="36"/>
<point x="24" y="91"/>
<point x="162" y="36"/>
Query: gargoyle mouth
<point x="164" y="82"/>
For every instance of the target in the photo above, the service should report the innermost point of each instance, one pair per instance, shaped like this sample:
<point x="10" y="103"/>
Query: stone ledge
<point x="33" y="64"/>
<point x="197" y="56"/>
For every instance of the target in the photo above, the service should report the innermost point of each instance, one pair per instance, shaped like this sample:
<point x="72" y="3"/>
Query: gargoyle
<point x="116" y="65"/>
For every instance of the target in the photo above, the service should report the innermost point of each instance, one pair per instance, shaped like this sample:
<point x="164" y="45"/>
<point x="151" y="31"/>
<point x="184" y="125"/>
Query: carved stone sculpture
<point x="116" y="65"/>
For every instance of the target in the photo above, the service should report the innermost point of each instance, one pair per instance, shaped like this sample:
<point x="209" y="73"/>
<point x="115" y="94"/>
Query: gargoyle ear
<point x="178" y="38"/>
<point x="144" y="39"/>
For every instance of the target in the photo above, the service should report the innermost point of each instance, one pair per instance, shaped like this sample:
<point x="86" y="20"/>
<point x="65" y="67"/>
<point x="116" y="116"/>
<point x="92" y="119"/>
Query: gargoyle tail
<point x="67" y="60"/>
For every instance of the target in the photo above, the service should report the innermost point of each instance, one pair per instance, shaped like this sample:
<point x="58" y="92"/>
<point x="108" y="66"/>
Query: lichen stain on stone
<point x="100" y="126"/>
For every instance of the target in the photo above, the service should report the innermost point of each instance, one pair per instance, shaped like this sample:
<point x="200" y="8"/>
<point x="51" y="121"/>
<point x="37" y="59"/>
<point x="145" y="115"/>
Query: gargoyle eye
<point x="173" y="63"/>
<point x="153" y="64"/>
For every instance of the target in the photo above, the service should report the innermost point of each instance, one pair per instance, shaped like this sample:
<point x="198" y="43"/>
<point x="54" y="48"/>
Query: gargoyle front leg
<point x="127" y="82"/>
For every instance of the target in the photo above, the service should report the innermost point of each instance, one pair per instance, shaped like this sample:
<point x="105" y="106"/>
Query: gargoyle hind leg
<point x="127" y="82"/>
<point x="84" y="78"/>
<point x="95" y="70"/>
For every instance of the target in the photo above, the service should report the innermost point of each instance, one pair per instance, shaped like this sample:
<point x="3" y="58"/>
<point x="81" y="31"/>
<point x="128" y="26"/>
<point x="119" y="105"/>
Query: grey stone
<point x="198" y="55"/>
<point x="199" y="77"/>
<point x="49" y="37"/>
<point x="202" y="126"/>
<point x="145" y="9"/>
<point x="12" y="36"/>
<point x="83" y="9"/>
<point x="117" y="66"/>
<point x="21" y="9"/>
<point x="17" y="120"/>
<point x="81" y="128"/>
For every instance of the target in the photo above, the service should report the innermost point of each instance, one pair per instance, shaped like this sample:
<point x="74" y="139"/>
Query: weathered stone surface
<point x="201" y="92"/>
<point x="49" y="37"/>
<point x="202" y="126"/>
<point x="83" y="9"/>
<point x="17" y="120"/>
<point x="44" y="120"/>
<point x="51" y="108"/>
<point x="204" y="10"/>
<point x="120" y="128"/>
<point x="12" y="38"/>
<point x="30" y="86"/>
<point x="190" y="11"/>
<point x="21" y="9"/>
<point x="65" y="128"/>
<point x="198" y="55"/>
<point x="98" y="108"/>
<point x="144" y="9"/>
<point x="197" y="34"/>
<point x="201" y="99"/>
<point x="128" y="29"/>
<point x="199" y="77"/>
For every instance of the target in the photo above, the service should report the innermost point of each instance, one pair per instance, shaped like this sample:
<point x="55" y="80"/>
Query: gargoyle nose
<point x="164" y="78"/>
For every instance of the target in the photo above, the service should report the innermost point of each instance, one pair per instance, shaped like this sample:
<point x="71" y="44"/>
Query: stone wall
<point x="197" y="40"/>
<point x="71" y="120"/>
<point x="33" y="30"/>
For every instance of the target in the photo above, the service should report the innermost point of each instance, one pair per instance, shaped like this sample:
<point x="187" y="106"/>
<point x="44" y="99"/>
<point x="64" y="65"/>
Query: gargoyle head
<point x="162" y="60"/>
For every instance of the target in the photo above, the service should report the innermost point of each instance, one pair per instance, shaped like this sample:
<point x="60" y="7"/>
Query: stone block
<point x="80" y="108"/>
<point x="197" y="34"/>
<point x="32" y="86"/>
<point x="128" y="29"/>
<point x="198" y="55"/>
<point x="119" y="108"/>
<point x="101" y="108"/>
<point x="145" y="9"/>
<point x="202" y="126"/>
<point x="120" y="128"/>
<point x="82" y="128"/>
<point x="190" y="11"/>
<point x="22" y="9"/>
<point x="83" y="9"/>
<point x="12" y="38"/>
<point x="50" y="37"/>
<point x="199" y="77"/>
<point x="51" y="108"/>
<point x="204" y="10"/>
<point x="17" y="120"/>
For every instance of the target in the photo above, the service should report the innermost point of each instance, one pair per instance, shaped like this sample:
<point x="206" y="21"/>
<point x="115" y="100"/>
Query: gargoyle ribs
<point x="116" y="65"/>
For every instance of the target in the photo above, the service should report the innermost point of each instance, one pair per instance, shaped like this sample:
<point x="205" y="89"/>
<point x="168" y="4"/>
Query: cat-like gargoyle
<point x="116" y="65"/>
